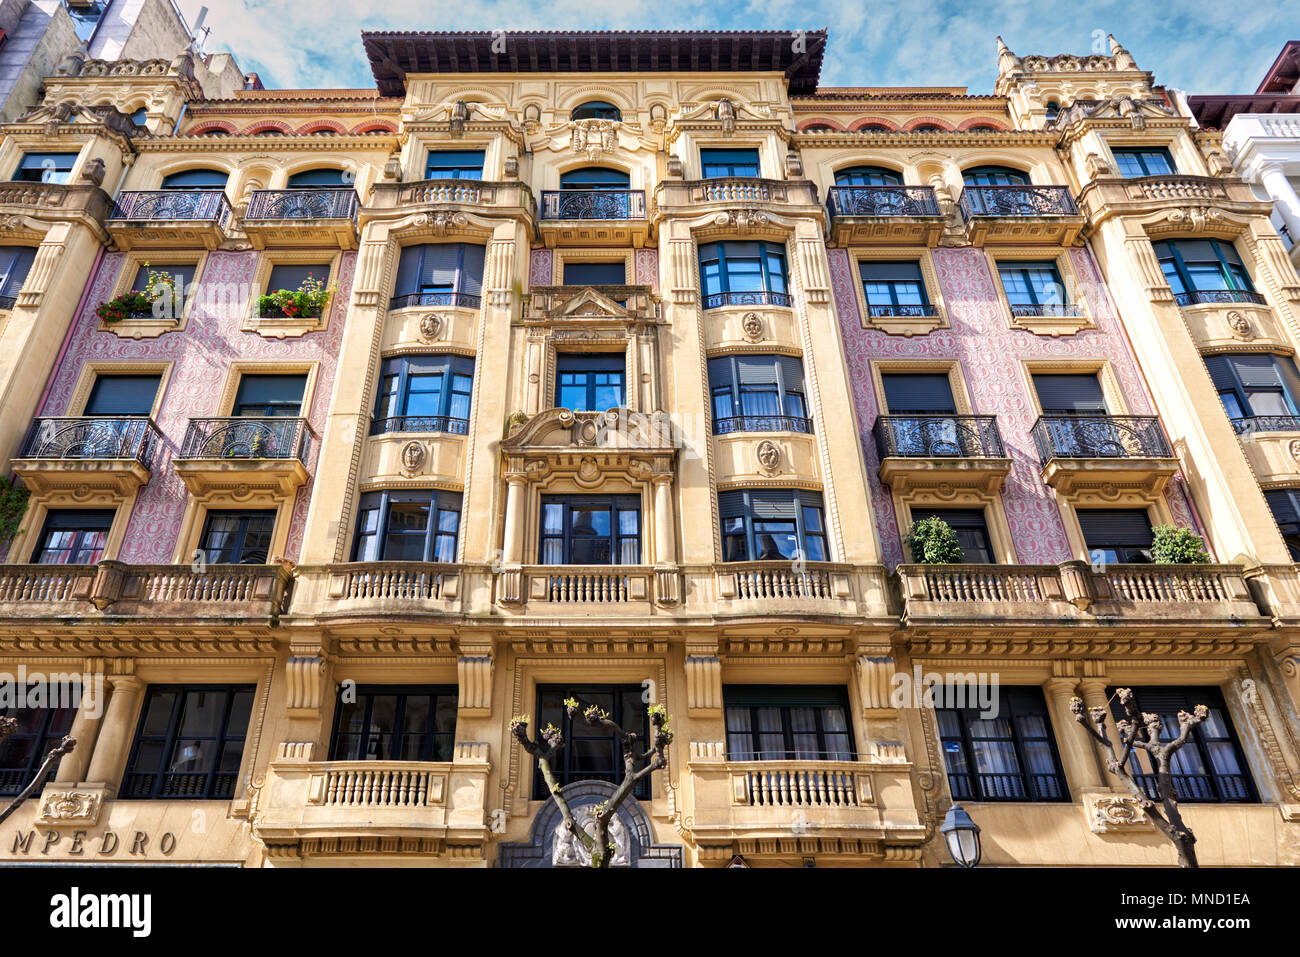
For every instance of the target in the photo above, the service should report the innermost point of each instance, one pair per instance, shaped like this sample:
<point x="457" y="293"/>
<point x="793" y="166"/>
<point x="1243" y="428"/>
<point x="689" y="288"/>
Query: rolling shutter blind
<point x="471" y="279"/>
<point x="439" y="265"/>
<point x="756" y="370"/>
<point x="1069" y="393"/>
<point x="1257" y="372"/>
<point x="920" y="393"/>
<point x="955" y="517"/>
<point x="1128" y="526"/>
<point x="408" y="271"/>
<point x="1220" y="369"/>
<point x="1281" y="503"/>
<point x="791" y="373"/>
<point x="891" y="272"/>
<point x="776" y="696"/>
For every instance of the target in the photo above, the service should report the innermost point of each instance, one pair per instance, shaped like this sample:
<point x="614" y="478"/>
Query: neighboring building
<point x="638" y="355"/>
<point x="1261" y="135"/>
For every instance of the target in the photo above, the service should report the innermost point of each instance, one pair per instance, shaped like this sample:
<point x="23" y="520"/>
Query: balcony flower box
<point x="158" y="300"/>
<point x="306" y="302"/>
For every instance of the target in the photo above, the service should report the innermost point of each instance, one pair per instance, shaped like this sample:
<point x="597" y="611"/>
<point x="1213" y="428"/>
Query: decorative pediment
<point x="616" y="430"/>
<point x="616" y="305"/>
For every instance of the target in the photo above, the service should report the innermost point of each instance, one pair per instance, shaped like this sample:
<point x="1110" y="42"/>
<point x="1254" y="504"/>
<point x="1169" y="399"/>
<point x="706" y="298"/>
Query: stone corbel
<point x="875" y="684"/>
<point x="703" y="680"/>
<point x="474" y="678"/>
<point x="305" y="671"/>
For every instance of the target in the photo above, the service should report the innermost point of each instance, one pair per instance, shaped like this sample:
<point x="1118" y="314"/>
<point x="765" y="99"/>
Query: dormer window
<point x="597" y="110"/>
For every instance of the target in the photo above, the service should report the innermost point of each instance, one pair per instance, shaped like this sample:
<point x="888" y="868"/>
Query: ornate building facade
<point x="618" y="367"/>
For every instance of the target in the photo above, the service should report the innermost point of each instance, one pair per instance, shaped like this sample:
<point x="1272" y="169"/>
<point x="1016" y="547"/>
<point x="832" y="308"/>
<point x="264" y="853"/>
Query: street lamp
<point x="962" y="835"/>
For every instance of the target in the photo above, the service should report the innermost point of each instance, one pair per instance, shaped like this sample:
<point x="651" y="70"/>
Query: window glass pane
<point x="595" y="273"/>
<point x="196" y="179"/>
<point x="270" y="395"/>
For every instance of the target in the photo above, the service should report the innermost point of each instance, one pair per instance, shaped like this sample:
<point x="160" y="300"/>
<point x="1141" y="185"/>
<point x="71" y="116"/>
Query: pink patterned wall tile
<point x="200" y="354"/>
<point x="541" y="267"/>
<point x="646" y="268"/>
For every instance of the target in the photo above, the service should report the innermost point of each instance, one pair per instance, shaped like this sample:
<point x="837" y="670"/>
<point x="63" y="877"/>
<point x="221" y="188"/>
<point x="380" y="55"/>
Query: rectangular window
<point x="716" y="163"/>
<point x="454" y="164"/>
<point x="73" y="536"/>
<point x="971" y="528"/>
<point x="182" y="277"/>
<point x="15" y="264"/>
<point x="424" y="394"/>
<point x="1205" y="270"/>
<point x="39" y="731"/>
<point x="270" y="395"/>
<point x="421" y="525"/>
<point x="1258" y="390"/>
<point x="1210" y="768"/>
<point x="755" y="393"/>
<point x="590" y="530"/>
<point x="237" y="538"/>
<point x="114" y="395"/>
<point x="1070" y="394"/>
<point x="591" y="754"/>
<point x="1144" y="161"/>
<point x="45" y="168"/>
<point x="1033" y="288"/>
<point x="439" y="274"/>
<point x="772" y="525"/>
<point x="1010" y="756"/>
<point x="794" y="723"/>
<point x="1116" y="536"/>
<point x="918" y="393"/>
<point x="894" y="288"/>
<point x="385" y="723"/>
<point x="189" y="743"/>
<point x="589" y="382"/>
<point x="1284" y="503"/>
<point x="595" y="273"/>
<point x="291" y="276"/>
<point x="742" y="273"/>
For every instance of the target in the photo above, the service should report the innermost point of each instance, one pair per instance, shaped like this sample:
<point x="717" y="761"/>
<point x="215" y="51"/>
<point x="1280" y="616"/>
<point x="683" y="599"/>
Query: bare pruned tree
<point x="7" y="727"/>
<point x="637" y="766"/>
<point x="1141" y="732"/>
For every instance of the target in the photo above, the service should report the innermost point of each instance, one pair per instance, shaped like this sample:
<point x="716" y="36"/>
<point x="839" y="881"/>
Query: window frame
<point x="455" y="171"/>
<point x="15" y="272"/>
<point x="1290" y="538"/>
<point x="171" y="180"/>
<point x="61" y="177"/>
<point x="573" y="732"/>
<point x="801" y="500"/>
<point x="596" y="110"/>
<point x="798" y="696"/>
<point x="101" y="376"/>
<point x="1288" y="377"/>
<point x="1139" y="155"/>
<point x="401" y="370"/>
<point x="895" y="308"/>
<point x="380" y="501"/>
<point x="54" y="725"/>
<point x="245" y="519"/>
<point x="1235" y="276"/>
<point x="984" y="175"/>
<point x="976" y="791"/>
<point x="712" y="156"/>
<point x="171" y="737"/>
<point x="431" y="742"/>
<point x="592" y="364"/>
<point x="615" y="503"/>
<point x="245" y="375"/>
<point x="885" y="175"/>
<point x="1125" y="553"/>
<point x="767" y="252"/>
<point x="457" y="295"/>
<point x="80" y="531"/>
<point x="919" y="512"/>
<point x="725" y="382"/>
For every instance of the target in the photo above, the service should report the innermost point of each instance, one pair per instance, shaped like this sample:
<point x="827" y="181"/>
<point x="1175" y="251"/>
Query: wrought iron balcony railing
<point x="758" y="298"/>
<point x="762" y="423"/>
<point x="1266" y="423"/>
<point x="420" y="423"/>
<point x="1007" y="787"/>
<point x="465" y="299"/>
<point x="920" y="310"/>
<point x="1100" y="437"/>
<point x="1044" y="309"/>
<point x="1017" y="201"/>
<point x="291" y="204"/>
<point x="168" y="205"/>
<point x="1200" y="296"/>
<point x="1201" y="788"/>
<point x="882" y="201"/>
<point x="593" y="204"/>
<point x="247" y="438"/>
<point x="938" y="436"/>
<point x="92" y="437"/>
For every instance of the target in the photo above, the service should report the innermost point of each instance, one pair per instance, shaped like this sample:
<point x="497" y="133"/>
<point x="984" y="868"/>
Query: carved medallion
<point x="430" y="327"/>
<point x="1293" y="448"/>
<point x="1239" y="325"/>
<point x="413" y="455"/>
<point x="768" y="455"/>
<point x="69" y="807"/>
<point x="752" y="324"/>
<point x="1115" y="812"/>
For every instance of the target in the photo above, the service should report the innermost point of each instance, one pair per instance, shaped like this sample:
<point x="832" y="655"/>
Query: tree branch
<point x="64" y="747"/>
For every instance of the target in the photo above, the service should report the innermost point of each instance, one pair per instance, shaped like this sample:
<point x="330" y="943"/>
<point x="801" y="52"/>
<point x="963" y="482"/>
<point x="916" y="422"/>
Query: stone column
<point x="1078" y="751"/>
<point x="1093" y="693"/>
<point x="109" y="758"/>
<point x="85" y="728"/>
<point x="513" y="546"/>
<point x="1280" y="190"/>
<point x="665" y="551"/>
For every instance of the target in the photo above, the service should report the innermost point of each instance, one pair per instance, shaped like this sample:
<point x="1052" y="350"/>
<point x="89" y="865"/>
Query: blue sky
<point x="1202" y="46"/>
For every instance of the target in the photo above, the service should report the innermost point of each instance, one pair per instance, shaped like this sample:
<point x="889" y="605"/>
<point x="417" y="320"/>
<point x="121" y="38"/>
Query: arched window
<point x="981" y="129"/>
<point x="140" y="116"/>
<point x="594" y="177"/>
<point x="928" y="128"/>
<point x="994" y="176"/>
<point x="1053" y="109"/>
<point x="873" y="128"/>
<point x="818" y="128"/>
<point x="196" y="179"/>
<point x="596" y="110"/>
<point x="867" y="176"/>
<point x="321" y="179"/>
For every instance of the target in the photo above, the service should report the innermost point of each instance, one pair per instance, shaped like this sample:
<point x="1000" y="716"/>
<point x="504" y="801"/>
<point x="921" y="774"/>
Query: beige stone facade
<point x="717" y="171"/>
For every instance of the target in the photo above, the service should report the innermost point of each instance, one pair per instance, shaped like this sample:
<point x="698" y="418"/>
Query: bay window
<point x="420" y="525"/>
<point x="1205" y="270"/>
<point x="424" y="394"/>
<point x="772" y="525"/>
<point x="743" y="273"/>
<point x="758" y="394"/>
<point x="439" y="274"/>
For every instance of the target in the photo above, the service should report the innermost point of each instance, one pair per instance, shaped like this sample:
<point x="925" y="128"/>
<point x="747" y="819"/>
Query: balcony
<point x="762" y="423"/>
<point x="1020" y="214"/>
<point x="444" y="199"/>
<point x="580" y="590"/>
<point x="739" y="202"/>
<point x="848" y="809"/>
<point x="450" y="300"/>
<point x="769" y="587"/>
<point x="159" y="592"/>
<point x="45" y="202"/>
<point x="170" y="218"/>
<point x="1032" y="595"/>
<point x="602" y="217"/>
<point x="1126" y="451"/>
<point x="415" y="806"/>
<point x="380" y="590"/>
<point x="1198" y="297"/>
<point x="1108" y="196"/>
<point x="923" y="451"/>
<point x="266" y="452"/>
<point x="111" y="454"/>
<point x="895" y="215"/>
<point x="760" y="297"/>
<point x="302" y="217"/>
<point x="436" y="424"/>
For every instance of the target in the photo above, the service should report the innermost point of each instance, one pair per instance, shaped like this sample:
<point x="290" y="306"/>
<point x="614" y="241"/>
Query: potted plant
<point x="933" y="542"/>
<point x="158" y="299"/>
<point x="1177" y="545"/>
<point x="306" y="302"/>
